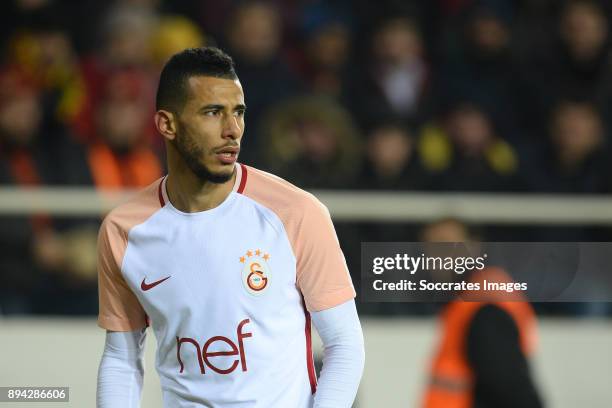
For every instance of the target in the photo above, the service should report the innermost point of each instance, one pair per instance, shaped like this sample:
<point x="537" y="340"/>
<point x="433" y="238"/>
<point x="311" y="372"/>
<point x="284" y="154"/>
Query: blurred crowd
<point x="435" y="95"/>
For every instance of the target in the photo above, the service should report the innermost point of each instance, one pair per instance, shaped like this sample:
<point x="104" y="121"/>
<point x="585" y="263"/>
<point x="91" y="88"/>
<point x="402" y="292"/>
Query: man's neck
<point x="189" y="194"/>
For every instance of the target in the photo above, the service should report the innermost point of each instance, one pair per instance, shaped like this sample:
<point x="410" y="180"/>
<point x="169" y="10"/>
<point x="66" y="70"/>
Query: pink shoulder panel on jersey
<point x="119" y="307"/>
<point x="322" y="274"/>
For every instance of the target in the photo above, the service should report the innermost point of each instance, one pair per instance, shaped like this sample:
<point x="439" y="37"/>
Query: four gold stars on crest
<point x="258" y="252"/>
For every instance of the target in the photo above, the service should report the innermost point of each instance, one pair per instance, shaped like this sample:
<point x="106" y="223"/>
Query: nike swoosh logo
<point x="146" y="286"/>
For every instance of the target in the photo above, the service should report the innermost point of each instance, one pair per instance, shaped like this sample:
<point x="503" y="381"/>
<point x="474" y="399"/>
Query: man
<point x="119" y="154"/>
<point x="228" y="265"/>
<point x="482" y="359"/>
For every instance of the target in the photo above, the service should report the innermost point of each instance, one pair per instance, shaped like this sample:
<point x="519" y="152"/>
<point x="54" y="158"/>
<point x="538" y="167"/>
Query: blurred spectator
<point x="326" y="28"/>
<point x="40" y="254"/>
<point x="120" y="156"/>
<point x="126" y="33"/>
<point x="254" y="40"/>
<point x="480" y="66"/>
<point x="392" y="160"/>
<point x="579" y="66"/>
<point x="327" y="50"/>
<point x="172" y="34"/>
<point x="577" y="159"/>
<point x="467" y="154"/>
<point x="312" y="142"/>
<point x="585" y="34"/>
<point x="44" y="54"/>
<point x="395" y="76"/>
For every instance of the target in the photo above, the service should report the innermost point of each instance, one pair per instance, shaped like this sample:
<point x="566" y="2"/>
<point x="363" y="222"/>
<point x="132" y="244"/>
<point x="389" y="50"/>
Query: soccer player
<point x="228" y="264"/>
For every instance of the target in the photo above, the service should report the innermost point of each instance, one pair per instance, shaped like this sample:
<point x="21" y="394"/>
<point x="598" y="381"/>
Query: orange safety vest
<point x="137" y="169"/>
<point x="451" y="378"/>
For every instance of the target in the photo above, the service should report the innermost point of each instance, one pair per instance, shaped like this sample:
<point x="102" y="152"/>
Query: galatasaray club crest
<point x="255" y="271"/>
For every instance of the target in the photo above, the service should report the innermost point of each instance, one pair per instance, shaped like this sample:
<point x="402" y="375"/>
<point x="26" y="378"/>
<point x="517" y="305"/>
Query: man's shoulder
<point x="275" y="192"/>
<point x="135" y="210"/>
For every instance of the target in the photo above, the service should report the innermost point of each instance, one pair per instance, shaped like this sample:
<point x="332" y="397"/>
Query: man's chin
<point x="216" y="175"/>
<point x="221" y="177"/>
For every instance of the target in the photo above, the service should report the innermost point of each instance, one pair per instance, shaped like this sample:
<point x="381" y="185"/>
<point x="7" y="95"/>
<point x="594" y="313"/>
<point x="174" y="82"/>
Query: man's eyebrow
<point x="215" y="106"/>
<point x="212" y="107"/>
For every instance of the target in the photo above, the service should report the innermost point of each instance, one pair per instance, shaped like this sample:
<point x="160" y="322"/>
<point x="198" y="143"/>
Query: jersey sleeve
<point x="119" y="309"/>
<point x="322" y="274"/>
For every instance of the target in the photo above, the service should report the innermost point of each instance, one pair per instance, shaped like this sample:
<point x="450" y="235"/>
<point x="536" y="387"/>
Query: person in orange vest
<point x="120" y="156"/>
<point x="481" y="360"/>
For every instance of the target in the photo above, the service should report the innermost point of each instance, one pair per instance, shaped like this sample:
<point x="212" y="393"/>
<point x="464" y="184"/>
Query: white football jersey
<point x="227" y="291"/>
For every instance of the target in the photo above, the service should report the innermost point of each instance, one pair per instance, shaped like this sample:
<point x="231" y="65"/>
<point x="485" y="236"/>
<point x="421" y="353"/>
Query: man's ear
<point x="165" y="122"/>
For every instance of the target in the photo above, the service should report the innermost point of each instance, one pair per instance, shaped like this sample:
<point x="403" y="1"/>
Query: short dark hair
<point x="205" y="61"/>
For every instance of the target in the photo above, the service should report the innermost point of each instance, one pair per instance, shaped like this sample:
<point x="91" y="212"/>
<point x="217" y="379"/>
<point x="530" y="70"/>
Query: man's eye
<point x="211" y="113"/>
<point x="239" y="113"/>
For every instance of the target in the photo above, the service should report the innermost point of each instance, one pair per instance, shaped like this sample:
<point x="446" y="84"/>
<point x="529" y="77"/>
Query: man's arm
<point x="501" y="369"/>
<point x="344" y="356"/>
<point x="121" y="371"/>
<point x="325" y="283"/>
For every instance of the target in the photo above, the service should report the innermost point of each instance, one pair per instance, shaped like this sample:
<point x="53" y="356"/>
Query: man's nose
<point x="232" y="128"/>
